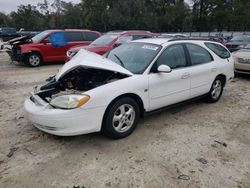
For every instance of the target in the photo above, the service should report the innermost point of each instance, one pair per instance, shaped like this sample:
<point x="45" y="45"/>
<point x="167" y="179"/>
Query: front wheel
<point x="121" y="118"/>
<point x="216" y="90"/>
<point x="33" y="59"/>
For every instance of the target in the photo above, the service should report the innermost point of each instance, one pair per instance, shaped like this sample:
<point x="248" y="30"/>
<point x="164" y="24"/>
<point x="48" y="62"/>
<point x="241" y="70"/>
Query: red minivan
<point x="49" y="45"/>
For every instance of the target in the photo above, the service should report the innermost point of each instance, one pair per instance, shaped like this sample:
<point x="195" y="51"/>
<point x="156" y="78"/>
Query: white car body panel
<point x="168" y="88"/>
<point x="156" y="90"/>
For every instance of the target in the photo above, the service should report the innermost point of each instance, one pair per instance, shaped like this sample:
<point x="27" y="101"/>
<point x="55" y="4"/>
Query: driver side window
<point x="173" y="56"/>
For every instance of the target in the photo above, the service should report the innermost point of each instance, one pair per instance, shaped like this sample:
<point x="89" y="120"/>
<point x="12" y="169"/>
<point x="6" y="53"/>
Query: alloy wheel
<point x="216" y="89"/>
<point x="123" y="118"/>
<point x="34" y="60"/>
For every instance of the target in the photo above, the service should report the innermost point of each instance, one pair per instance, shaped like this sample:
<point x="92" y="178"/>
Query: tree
<point x="27" y="17"/>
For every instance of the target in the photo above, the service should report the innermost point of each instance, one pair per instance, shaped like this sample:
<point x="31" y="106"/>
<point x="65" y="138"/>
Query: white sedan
<point x="93" y="93"/>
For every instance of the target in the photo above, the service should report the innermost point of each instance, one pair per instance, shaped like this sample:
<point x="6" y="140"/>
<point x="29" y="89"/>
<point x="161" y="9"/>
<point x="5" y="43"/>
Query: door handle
<point x="185" y="75"/>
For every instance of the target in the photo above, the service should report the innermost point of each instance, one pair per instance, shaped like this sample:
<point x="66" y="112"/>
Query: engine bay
<point x="77" y="81"/>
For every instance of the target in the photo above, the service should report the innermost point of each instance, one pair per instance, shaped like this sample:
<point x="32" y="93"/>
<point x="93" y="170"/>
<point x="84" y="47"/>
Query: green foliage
<point x="154" y="15"/>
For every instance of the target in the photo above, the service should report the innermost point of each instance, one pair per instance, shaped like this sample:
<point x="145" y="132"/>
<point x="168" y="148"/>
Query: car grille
<point x="243" y="60"/>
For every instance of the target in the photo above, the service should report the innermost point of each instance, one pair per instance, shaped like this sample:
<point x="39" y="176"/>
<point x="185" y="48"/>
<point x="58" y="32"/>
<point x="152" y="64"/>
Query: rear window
<point x="198" y="55"/>
<point x="90" y="36"/>
<point x="218" y="50"/>
<point x="74" y="36"/>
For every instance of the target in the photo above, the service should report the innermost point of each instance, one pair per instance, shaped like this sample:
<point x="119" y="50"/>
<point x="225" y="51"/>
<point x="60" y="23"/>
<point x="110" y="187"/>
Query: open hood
<point x="88" y="59"/>
<point x="21" y="39"/>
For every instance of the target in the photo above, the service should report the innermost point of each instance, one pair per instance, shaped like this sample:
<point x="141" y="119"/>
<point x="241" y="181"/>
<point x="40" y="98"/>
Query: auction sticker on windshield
<point x="150" y="47"/>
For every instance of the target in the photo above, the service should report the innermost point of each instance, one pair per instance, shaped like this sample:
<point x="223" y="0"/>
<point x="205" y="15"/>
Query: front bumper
<point x="15" y="54"/>
<point x="243" y="68"/>
<point x="63" y="122"/>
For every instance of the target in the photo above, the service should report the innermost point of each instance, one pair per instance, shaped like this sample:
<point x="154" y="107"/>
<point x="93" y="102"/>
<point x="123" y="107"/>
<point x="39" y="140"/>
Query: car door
<point x="202" y="71"/>
<point x="169" y="88"/>
<point x="74" y="38"/>
<point x="50" y="50"/>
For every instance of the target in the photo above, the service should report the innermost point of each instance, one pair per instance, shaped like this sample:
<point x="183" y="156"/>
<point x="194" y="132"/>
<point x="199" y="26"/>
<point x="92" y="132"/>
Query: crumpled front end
<point x="62" y="122"/>
<point x="62" y="107"/>
<point x="15" y="51"/>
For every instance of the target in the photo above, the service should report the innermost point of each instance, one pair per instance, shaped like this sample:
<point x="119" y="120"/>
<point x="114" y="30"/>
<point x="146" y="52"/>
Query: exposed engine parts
<point x="77" y="80"/>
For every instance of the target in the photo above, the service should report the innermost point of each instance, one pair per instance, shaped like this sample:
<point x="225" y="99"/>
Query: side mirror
<point x="164" y="69"/>
<point x="45" y="41"/>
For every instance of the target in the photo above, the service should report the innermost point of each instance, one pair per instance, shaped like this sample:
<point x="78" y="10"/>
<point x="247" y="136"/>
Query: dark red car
<point x="109" y="41"/>
<point x="49" y="45"/>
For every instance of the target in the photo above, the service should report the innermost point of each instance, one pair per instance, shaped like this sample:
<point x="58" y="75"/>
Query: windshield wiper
<point x="122" y="64"/>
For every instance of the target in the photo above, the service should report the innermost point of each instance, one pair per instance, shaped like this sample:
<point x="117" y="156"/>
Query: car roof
<point x="55" y="30"/>
<point x="166" y="41"/>
<point x="158" y="41"/>
<point x="130" y="32"/>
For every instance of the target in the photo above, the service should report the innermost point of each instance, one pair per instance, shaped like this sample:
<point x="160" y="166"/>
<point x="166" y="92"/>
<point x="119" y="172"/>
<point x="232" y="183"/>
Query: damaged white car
<point x="92" y="93"/>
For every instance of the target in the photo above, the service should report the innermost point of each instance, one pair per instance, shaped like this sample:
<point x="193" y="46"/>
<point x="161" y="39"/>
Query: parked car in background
<point x="1" y="44"/>
<point x="92" y="93"/>
<point x="242" y="60"/>
<point x="49" y="45"/>
<point x="109" y="41"/>
<point x="238" y="42"/>
<point x="8" y="33"/>
<point x="170" y="35"/>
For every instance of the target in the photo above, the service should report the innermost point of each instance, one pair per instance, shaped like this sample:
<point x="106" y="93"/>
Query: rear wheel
<point x="121" y="118"/>
<point x="33" y="59"/>
<point x="216" y="90"/>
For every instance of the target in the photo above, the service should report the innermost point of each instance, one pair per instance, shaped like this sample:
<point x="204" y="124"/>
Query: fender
<point x="27" y="49"/>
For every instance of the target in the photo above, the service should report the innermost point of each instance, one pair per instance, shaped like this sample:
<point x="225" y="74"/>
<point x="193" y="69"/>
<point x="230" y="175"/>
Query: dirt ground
<point x="174" y="148"/>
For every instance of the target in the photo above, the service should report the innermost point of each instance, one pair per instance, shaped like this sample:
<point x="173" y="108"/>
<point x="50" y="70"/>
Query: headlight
<point x="69" y="101"/>
<point x="70" y="54"/>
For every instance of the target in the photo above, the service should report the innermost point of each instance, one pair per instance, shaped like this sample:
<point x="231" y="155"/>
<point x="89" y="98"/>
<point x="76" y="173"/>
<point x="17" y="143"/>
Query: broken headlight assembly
<point x="69" y="101"/>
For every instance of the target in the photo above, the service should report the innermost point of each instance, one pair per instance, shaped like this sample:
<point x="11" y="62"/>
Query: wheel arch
<point x="134" y="96"/>
<point x="33" y="50"/>
<point x="224" y="78"/>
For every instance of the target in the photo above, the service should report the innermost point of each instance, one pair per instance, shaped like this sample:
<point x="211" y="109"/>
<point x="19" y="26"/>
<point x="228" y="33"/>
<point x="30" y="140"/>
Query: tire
<point x="33" y="59"/>
<point x="117" y="122"/>
<point x="216" y="90"/>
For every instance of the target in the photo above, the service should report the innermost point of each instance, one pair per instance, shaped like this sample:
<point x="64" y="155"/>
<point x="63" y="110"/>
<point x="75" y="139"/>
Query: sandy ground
<point x="162" y="152"/>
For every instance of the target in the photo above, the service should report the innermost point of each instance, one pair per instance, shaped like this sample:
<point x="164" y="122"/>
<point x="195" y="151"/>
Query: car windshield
<point x="241" y="38"/>
<point x="134" y="56"/>
<point x="40" y="36"/>
<point x="105" y="39"/>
